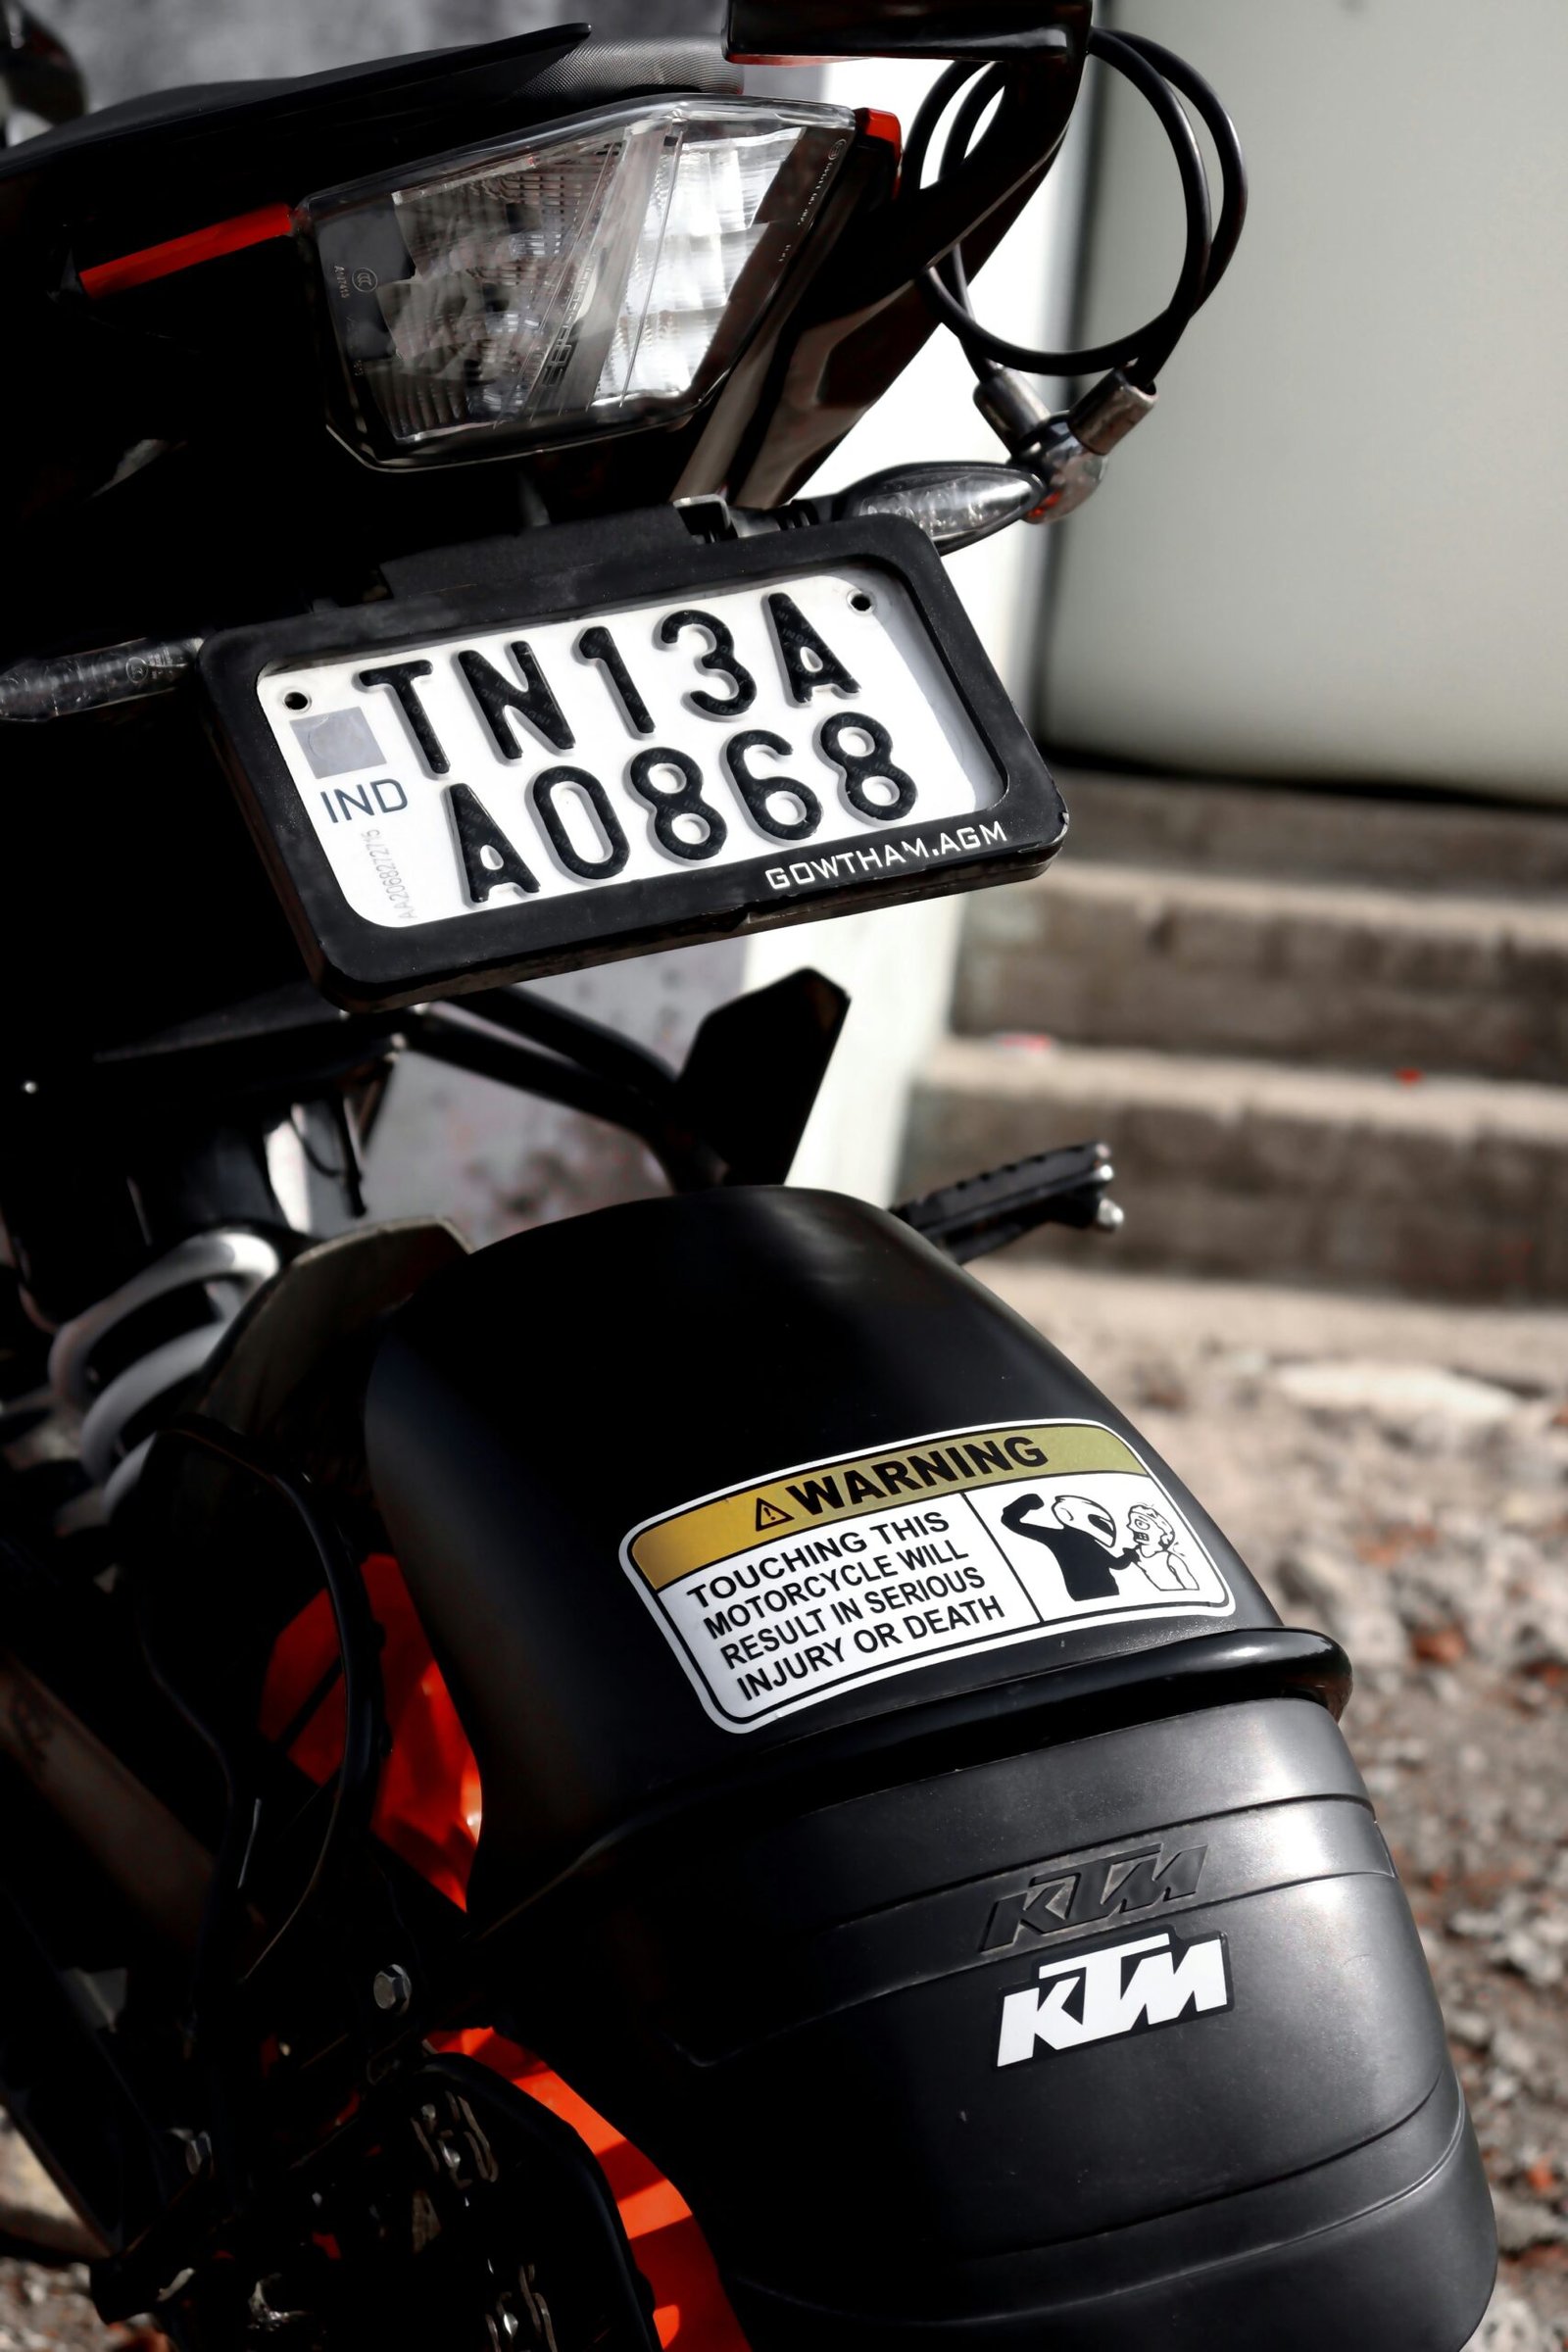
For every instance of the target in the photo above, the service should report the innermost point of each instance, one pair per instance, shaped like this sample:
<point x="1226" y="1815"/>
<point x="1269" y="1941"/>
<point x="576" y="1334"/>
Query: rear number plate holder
<point x="603" y="758"/>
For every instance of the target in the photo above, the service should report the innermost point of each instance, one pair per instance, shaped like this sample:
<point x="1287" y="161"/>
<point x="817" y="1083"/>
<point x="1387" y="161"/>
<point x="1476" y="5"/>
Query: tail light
<point x="604" y="272"/>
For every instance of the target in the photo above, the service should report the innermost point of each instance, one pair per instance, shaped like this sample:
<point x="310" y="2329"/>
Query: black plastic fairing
<point x="177" y="159"/>
<point x="219" y="357"/>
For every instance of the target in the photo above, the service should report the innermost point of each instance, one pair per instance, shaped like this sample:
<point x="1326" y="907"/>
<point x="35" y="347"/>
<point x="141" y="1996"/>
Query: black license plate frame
<point x="365" y="966"/>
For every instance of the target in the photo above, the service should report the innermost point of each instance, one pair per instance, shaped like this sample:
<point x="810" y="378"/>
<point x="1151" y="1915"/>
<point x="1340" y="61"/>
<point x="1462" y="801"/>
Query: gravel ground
<point x="1400" y="1479"/>
<point x="48" y="2311"/>
<point x="1385" y="1492"/>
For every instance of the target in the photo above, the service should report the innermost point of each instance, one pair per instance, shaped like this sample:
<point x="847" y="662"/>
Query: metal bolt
<point x="1110" y="1218"/>
<point x="197" y="2146"/>
<point x="393" y="1989"/>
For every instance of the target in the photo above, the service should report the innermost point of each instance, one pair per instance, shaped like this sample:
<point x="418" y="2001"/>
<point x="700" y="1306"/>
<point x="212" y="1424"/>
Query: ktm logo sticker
<point x="1088" y="1894"/>
<point x="1119" y="1989"/>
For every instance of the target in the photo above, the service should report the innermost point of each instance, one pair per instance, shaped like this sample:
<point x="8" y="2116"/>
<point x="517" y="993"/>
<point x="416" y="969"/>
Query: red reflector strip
<point x="872" y="124"/>
<point x="183" y="253"/>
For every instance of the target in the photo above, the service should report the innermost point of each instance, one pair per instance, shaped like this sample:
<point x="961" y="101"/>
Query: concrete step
<point x="1348" y="973"/>
<point x="1452" y="1188"/>
<point x="1122" y="1326"/>
<point x="1297" y="835"/>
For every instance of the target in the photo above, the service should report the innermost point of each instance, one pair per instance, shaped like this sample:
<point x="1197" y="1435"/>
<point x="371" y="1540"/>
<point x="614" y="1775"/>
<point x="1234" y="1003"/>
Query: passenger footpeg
<point x="1067" y="1187"/>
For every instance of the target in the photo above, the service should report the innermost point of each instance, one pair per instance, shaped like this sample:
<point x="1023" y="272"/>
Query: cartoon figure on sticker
<point x="1167" y="1569"/>
<point x="1083" y="1542"/>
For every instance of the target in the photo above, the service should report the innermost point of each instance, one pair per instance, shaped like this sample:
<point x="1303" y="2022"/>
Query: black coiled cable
<point x="1158" y="74"/>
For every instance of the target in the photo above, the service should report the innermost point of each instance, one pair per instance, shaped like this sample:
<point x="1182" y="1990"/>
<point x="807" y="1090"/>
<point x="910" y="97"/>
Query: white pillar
<point x="898" y="965"/>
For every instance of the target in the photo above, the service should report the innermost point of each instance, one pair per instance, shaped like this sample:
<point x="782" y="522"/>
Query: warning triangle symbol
<point x="768" y="1514"/>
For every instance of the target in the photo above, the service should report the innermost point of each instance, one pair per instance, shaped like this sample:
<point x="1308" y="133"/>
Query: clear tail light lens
<point x="603" y="272"/>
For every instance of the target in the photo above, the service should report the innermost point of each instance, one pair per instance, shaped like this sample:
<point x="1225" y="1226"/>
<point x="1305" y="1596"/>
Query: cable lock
<point x="1068" y="448"/>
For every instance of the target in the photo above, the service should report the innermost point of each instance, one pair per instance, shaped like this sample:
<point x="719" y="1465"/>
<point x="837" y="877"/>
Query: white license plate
<point x="805" y="721"/>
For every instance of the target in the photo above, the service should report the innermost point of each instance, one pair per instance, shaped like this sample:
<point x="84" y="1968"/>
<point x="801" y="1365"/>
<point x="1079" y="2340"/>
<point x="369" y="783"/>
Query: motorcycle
<point x="682" y="1779"/>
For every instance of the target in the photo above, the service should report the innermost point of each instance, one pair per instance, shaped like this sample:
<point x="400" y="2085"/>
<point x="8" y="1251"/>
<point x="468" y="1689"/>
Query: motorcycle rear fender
<point x="1055" y="1985"/>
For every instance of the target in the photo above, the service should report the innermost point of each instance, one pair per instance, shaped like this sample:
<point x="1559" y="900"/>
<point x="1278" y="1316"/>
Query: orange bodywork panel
<point x="428" y="1812"/>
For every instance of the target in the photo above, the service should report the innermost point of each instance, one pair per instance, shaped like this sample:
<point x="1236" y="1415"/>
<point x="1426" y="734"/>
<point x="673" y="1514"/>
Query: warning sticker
<point x="776" y="1595"/>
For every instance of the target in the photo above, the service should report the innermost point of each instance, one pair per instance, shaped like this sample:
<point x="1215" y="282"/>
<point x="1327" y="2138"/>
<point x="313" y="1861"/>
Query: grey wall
<point x="1340" y="548"/>
<point x="129" y="46"/>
